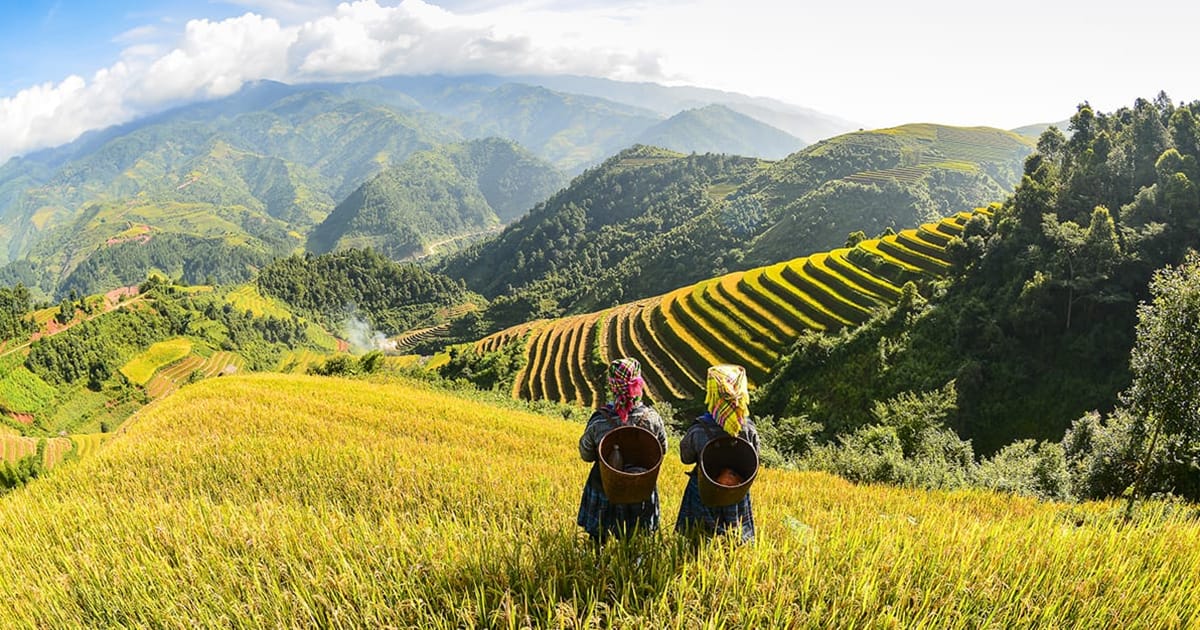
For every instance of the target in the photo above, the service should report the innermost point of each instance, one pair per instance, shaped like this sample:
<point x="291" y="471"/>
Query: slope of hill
<point x="568" y="130"/>
<point x="90" y="363"/>
<point x="1048" y="308"/>
<point x="718" y="129"/>
<point x="604" y="216"/>
<point x="298" y="501"/>
<point x="1037" y="129"/>
<point x="647" y="221"/>
<point x="434" y="195"/>
<point x="749" y="318"/>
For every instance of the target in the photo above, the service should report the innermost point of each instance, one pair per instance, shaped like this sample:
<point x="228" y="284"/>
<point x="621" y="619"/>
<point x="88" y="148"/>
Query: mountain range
<point x="257" y="172"/>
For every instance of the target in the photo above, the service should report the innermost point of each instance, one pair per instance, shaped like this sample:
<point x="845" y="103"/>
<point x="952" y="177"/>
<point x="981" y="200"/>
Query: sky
<point x="68" y="66"/>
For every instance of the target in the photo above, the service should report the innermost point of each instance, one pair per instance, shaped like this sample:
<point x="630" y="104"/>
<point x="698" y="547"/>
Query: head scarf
<point x="728" y="399"/>
<point x="625" y="383"/>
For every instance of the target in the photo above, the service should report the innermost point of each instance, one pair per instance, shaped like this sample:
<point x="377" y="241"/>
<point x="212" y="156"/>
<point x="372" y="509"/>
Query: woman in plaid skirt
<point x="728" y="414"/>
<point x="599" y="518"/>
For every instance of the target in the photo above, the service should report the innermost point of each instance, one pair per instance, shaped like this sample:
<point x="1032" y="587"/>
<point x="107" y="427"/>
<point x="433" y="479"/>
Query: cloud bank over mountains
<point x="358" y="40"/>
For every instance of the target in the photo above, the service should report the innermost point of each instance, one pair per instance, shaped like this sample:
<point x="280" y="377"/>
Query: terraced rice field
<point x="222" y="362"/>
<point x="321" y="337"/>
<point x="171" y="378"/>
<point x="904" y="174"/>
<point x="297" y="502"/>
<point x="409" y="340"/>
<point x="141" y="368"/>
<point x="402" y="362"/>
<point x="495" y="341"/>
<point x="40" y="317"/>
<point x="14" y="448"/>
<point x="747" y="318"/>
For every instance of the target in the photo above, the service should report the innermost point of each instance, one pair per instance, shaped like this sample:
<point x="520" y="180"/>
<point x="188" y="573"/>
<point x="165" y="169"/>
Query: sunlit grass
<point x="284" y="501"/>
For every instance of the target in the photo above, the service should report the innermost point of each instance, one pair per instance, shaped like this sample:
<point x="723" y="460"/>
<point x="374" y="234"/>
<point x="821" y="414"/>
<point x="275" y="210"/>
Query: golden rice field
<point x="14" y="448"/>
<point x="141" y="368"/>
<point x="747" y="318"/>
<point x="292" y="501"/>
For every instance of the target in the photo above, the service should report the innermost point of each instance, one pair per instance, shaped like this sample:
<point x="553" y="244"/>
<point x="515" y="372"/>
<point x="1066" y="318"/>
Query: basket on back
<point x="631" y="479"/>
<point x="721" y="457"/>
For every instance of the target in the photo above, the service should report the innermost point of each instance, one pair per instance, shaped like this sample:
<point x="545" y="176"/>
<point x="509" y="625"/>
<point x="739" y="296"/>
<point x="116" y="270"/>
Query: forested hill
<point x="650" y="220"/>
<point x="439" y="194"/>
<point x="1022" y="354"/>
<point x="1036" y="329"/>
<point x="391" y="297"/>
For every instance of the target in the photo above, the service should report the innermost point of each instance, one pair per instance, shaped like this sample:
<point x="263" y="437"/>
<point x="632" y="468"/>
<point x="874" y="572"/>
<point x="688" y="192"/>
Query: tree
<point x="1166" y="358"/>
<point x="1084" y="257"/>
<point x="1165" y="394"/>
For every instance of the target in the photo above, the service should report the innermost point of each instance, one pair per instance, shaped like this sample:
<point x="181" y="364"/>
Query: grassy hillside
<point x="751" y="318"/>
<point x="298" y="501"/>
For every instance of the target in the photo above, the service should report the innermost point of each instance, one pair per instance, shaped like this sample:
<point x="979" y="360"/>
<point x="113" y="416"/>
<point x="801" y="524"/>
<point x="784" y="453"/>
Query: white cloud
<point x="138" y="33"/>
<point x="356" y="40"/>
<point x="52" y="114"/>
<point x="215" y="59"/>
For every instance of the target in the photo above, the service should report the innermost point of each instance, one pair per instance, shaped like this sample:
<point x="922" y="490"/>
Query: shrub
<point x="1027" y="467"/>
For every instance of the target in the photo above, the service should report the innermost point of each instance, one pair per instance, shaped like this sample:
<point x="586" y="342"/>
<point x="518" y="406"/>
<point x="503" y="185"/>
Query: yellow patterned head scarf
<point x="727" y="397"/>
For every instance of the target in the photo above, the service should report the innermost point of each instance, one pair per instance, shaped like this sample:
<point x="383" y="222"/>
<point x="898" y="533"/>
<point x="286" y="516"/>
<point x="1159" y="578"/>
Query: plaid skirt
<point x="601" y="519"/>
<point x="694" y="516"/>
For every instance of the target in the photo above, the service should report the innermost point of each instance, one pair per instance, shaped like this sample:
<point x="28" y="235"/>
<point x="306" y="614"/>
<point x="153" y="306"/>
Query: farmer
<point x="727" y="400"/>
<point x="597" y="516"/>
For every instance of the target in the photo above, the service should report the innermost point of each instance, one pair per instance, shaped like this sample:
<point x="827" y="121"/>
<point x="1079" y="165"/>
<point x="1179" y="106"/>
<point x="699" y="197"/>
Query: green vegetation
<point x="191" y="260"/>
<point x="247" y="298"/>
<point x="15" y="320"/>
<point x="459" y="513"/>
<point x="21" y="391"/>
<point x="92" y="375"/>
<point x="541" y="265"/>
<point x="1035" y="325"/>
<point x="333" y="287"/>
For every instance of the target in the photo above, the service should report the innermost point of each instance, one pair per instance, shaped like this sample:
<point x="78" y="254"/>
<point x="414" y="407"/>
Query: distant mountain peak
<point x="715" y="128"/>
